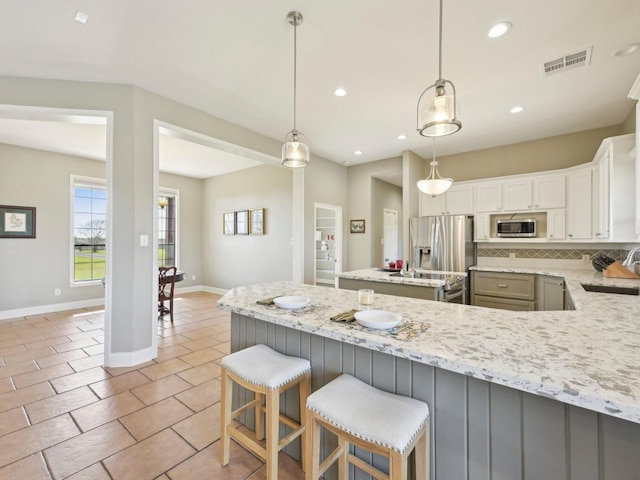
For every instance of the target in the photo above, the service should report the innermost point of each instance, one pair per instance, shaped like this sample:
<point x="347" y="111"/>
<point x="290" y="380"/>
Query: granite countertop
<point x="589" y="357"/>
<point x="378" y="275"/>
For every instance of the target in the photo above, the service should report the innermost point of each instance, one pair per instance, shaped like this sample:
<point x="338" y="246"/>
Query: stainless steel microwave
<point x="516" y="228"/>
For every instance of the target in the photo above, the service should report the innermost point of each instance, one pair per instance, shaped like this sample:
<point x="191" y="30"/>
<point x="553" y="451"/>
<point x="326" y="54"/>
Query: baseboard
<point x="129" y="359"/>
<point x="59" y="307"/>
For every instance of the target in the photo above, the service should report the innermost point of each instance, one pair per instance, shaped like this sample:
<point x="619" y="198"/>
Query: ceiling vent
<point x="568" y="62"/>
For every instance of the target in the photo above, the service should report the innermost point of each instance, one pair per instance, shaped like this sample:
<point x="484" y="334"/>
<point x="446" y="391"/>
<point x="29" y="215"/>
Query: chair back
<point x="166" y="281"/>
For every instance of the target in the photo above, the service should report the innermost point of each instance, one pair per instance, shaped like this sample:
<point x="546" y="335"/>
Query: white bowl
<point x="380" y="319"/>
<point x="291" y="302"/>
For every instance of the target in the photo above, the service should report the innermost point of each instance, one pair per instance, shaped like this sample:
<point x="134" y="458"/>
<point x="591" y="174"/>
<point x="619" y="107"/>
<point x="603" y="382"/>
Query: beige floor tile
<point x="47" y="342"/>
<point x="201" y="429"/>
<point x="201" y="373"/>
<point x="6" y="385"/>
<point x="94" y="472"/>
<point x="25" y="396"/>
<point x="104" y="411"/>
<point x="115" y="371"/>
<point x="62" y="331"/>
<point x="12" y="349"/>
<point x="206" y="464"/>
<point x="84" y="450"/>
<point x="173" y="351"/>
<point x="76" y="380"/>
<point x="60" y="358"/>
<point x="224" y="347"/>
<point x="121" y="383"/>
<point x="18" y="368"/>
<point x="199" y="344"/>
<point x="94" y="350"/>
<point x="164" y="369"/>
<point x="151" y="457"/>
<point x="59" y="404"/>
<point x="12" y="420"/>
<point x="156" y="417"/>
<point x="79" y="336"/>
<point x="288" y="469"/>
<point x="87" y="363"/>
<point x="27" y="441"/>
<point x="29" y="468"/>
<point x="202" y="396"/>
<point x="19" y="340"/>
<point x="84" y="342"/>
<point x="160" y="389"/>
<point x="42" y="375"/>
<point x="202" y="356"/>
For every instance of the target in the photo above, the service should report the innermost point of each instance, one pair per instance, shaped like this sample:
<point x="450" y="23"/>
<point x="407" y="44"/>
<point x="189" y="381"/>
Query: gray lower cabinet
<point x="550" y="293"/>
<point x="397" y="289"/>
<point x="517" y="291"/>
<point x="503" y="303"/>
<point x="479" y="430"/>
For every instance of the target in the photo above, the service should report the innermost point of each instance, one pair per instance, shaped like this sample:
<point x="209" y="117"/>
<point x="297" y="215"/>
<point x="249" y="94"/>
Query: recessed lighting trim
<point x="498" y="29"/>
<point x="357" y="152"/>
<point x="402" y="136"/>
<point x="81" y="17"/>
<point x="340" y="92"/>
<point x="517" y="109"/>
<point x="627" y="50"/>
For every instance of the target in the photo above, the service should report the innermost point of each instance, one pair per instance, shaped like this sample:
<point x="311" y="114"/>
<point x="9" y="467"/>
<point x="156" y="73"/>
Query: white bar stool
<point x="377" y="421"/>
<point x="267" y="373"/>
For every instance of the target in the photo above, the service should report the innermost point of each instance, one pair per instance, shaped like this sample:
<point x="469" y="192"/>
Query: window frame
<point x="175" y="193"/>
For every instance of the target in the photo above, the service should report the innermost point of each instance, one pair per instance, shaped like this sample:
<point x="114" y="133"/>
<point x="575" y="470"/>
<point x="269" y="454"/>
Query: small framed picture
<point x="17" y="222"/>
<point x="229" y="223"/>
<point x="256" y="225"/>
<point x="242" y="222"/>
<point x="357" y="226"/>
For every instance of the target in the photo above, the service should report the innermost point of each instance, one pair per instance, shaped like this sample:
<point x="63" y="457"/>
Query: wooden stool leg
<point x="305" y="389"/>
<point x="313" y="447"/>
<point x="422" y="453"/>
<point x="343" y="462"/>
<point x="225" y="416"/>
<point x="398" y="466"/>
<point x="272" y="427"/>
<point x="258" y="412"/>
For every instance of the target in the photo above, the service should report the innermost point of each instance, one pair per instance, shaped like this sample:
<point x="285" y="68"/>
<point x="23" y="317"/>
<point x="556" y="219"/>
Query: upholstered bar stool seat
<point x="377" y="421"/>
<point x="267" y="374"/>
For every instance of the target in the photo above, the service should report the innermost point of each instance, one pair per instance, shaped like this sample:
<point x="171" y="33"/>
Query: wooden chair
<point x="361" y="415"/>
<point x="166" y="285"/>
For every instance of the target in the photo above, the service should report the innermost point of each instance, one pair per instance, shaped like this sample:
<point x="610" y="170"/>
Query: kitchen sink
<point x="611" y="289"/>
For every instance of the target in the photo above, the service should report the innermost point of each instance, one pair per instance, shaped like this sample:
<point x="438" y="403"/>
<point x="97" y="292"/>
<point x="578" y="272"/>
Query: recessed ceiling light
<point x="517" y="109"/>
<point x="346" y="162"/>
<point x="81" y="17"/>
<point x="340" y="92"/>
<point x="357" y="152"/>
<point x="627" y="50"/>
<point x="402" y="137"/>
<point x="499" y="29"/>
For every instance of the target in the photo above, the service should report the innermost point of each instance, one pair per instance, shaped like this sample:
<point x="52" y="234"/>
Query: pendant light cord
<point x="440" y="45"/>
<point x="295" y="67"/>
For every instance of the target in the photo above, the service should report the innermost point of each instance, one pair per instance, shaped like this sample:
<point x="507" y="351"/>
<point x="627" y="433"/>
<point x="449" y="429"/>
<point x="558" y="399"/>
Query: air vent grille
<point x="568" y="62"/>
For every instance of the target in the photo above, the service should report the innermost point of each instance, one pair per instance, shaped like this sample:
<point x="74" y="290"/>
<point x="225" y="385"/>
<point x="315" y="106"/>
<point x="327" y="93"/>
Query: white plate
<point x="380" y="319"/>
<point x="291" y="302"/>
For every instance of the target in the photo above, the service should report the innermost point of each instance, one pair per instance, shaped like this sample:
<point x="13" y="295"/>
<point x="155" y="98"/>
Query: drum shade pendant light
<point x="436" y="113"/>
<point x="295" y="151"/>
<point x="434" y="184"/>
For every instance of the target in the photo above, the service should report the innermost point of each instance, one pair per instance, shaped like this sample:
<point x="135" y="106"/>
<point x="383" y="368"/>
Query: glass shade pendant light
<point x="436" y="112"/>
<point x="434" y="184"/>
<point x="295" y="151"/>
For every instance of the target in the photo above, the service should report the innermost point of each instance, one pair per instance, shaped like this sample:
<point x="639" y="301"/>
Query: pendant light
<point x="434" y="184"/>
<point x="295" y="151"/>
<point x="436" y="112"/>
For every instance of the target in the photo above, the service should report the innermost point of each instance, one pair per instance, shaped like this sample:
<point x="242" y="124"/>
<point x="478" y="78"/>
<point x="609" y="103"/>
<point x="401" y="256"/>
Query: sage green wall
<point x="384" y="195"/>
<point x="230" y="261"/>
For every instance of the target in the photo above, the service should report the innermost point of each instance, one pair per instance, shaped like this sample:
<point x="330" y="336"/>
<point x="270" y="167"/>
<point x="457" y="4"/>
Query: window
<point x="89" y="231"/>
<point x="167" y="228"/>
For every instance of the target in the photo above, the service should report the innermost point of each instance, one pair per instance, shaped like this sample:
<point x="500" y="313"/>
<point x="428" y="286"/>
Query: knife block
<point x="617" y="270"/>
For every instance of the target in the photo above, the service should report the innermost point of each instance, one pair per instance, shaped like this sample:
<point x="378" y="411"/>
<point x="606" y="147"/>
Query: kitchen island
<point x="513" y="395"/>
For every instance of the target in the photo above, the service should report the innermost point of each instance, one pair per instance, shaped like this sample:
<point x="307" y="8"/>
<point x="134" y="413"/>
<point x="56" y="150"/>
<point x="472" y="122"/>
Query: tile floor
<point x="64" y="415"/>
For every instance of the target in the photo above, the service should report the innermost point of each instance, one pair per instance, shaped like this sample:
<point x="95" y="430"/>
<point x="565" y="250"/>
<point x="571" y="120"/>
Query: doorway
<point x="327" y="244"/>
<point x="390" y="236"/>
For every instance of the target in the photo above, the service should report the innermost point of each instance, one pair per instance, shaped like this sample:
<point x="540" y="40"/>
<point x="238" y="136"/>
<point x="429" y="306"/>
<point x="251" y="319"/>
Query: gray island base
<point x="481" y="429"/>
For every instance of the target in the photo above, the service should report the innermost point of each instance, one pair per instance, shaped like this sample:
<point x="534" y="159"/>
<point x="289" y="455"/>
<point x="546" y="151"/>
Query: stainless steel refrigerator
<point x="443" y="243"/>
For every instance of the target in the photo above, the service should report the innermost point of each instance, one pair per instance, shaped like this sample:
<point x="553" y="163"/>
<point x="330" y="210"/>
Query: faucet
<point x="629" y="261"/>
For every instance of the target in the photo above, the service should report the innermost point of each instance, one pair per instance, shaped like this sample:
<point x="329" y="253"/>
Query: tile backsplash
<point x="549" y="253"/>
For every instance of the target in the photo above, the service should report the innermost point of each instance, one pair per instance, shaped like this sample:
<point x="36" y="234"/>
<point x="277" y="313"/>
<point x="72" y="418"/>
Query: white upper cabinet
<point x="516" y="195"/>
<point x="458" y="200"/>
<point x="482" y="224"/>
<point x="431" y="205"/>
<point x="489" y="197"/>
<point x="579" y="205"/>
<point x="549" y="192"/>
<point x="556" y="224"/>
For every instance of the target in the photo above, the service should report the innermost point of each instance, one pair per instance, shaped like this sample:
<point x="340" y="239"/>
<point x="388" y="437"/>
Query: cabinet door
<point x="430" y="205"/>
<point x="556" y="223"/>
<point x="459" y="200"/>
<point x="601" y="196"/>
<point x="549" y="192"/>
<point x="550" y="294"/>
<point x="482" y="226"/>
<point x="488" y="197"/>
<point x="504" y="303"/>
<point x="579" y="205"/>
<point x="516" y="195"/>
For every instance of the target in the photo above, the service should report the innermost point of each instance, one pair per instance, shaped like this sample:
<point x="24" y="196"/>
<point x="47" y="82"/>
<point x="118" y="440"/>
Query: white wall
<point x="384" y="195"/>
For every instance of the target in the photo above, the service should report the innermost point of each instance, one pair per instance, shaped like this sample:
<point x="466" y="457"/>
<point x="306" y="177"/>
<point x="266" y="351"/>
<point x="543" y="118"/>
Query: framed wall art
<point x="17" y="222"/>
<point x="256" y="218"/>
<point x="357" y="226"/>
<point x="242" y="222"/>
<point x="229" y="223"/>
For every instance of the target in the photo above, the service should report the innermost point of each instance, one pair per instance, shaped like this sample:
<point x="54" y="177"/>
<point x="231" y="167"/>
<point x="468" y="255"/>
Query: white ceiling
<point x="234" y="60"/>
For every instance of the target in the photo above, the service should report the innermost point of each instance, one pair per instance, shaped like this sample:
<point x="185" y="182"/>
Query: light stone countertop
<point x="377" y="275"/>
<point x="589" y="357"/>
